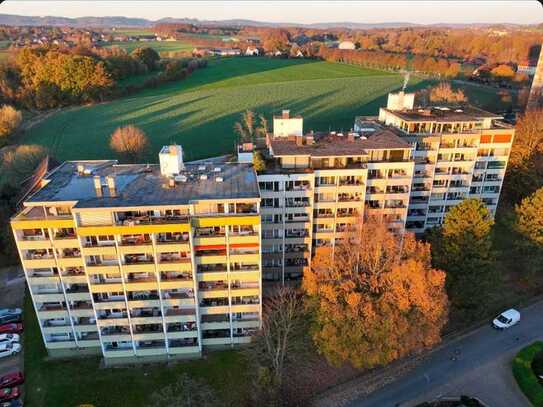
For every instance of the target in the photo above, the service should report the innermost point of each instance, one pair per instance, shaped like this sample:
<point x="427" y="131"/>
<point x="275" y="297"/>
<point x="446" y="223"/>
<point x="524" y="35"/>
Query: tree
<point x="18" y="162"/>
<point x="10" y="119"/>
<point x="503" y="72"/>
<point x="247" y="129"/>
<point x="185" y="392"/>
<point x="377" y="299"/>
<point x="530" y="218"/>
<point x="463" y="248"/>
<point x="258" y="161"/>
<point x="147" y="56"/>
<point x="444" y="93"/>
<point x="280" y="341"/>
<point x="130" y="142"/>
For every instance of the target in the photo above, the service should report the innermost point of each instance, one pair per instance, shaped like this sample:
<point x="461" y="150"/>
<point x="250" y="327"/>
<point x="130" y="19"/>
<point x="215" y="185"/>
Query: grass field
<point x="82" y="381"/>
<point x="200" y="112"/>
<point x="133" y="31"/>
<point x="162" y="47"/>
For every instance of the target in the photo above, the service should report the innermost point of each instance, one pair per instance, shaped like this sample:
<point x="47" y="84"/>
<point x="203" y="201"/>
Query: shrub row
<point x="525" y="376"/>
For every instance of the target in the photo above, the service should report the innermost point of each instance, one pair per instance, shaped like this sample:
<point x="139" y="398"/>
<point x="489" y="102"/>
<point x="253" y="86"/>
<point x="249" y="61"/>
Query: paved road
<point x="477" y="364"/>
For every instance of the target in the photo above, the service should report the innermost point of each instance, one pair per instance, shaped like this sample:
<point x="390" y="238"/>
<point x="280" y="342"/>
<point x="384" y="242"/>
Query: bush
<point x="525" y="376"/>
<point x="537" y="364"/>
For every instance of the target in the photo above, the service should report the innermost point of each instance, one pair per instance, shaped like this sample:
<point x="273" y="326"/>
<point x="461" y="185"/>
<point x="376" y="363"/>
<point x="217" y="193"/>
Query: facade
<point x="143" y="260"/>
<point x="536" y="89"/>
<point x="347" y="45"/>
<point x="407" y="167"/>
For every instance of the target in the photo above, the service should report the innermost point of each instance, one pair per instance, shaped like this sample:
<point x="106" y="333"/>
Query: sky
<point x="422" y="12"/>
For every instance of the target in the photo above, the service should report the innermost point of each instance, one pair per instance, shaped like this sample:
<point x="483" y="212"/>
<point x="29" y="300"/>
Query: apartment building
<point x="143" y="260"/>
<point x="406" y="167"/>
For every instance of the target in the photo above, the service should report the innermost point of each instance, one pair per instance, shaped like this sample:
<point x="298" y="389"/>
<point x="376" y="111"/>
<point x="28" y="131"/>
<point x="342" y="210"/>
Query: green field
<point x="199" y="113"/>
<point x="133" y="31"/>
<point x="162" y="47"/>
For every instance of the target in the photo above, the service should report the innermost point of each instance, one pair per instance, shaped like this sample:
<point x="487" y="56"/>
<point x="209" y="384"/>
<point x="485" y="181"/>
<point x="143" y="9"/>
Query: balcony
<point x="150" y="220"/>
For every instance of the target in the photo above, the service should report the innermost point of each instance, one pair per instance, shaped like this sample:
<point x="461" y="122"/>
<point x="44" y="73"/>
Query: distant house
<point x="346" y="45"/>
<point x="252" y="51"/>
<point x="527" y="67"/>
<point x="298" y="54"/>
<point x="226" y="52"/>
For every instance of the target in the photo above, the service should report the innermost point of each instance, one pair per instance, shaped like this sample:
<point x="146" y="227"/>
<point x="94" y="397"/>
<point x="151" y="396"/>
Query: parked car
<point x="10" y="311"/>
<point x="9" y="393"/>
<point x="506" y="319"/>
<point x="8" y="349"/>
<point x="10" y="318"/>
<point x="9" y="338"/>
<point x="12" y="379"/>
<point x="12" y="328"/>
<point x="12" y="403"/>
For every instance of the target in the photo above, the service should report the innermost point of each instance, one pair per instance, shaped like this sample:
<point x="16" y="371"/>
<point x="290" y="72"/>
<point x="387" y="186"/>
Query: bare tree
<point x="445" y="93"/>
<point x="130" y="142"/>
<point x="248" y="130"/>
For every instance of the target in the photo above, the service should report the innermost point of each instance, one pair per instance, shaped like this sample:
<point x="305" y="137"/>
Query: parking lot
<point x="12" y="289"/>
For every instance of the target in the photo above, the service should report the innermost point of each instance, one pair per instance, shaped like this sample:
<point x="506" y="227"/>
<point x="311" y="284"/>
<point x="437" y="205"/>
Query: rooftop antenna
<point x="405" y="80"/>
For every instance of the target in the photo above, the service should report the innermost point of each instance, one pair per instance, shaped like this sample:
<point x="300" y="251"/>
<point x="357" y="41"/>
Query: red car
<point x="9" y="393"/>
<point x="12" y="379"/>
<point x="11" y="328"/>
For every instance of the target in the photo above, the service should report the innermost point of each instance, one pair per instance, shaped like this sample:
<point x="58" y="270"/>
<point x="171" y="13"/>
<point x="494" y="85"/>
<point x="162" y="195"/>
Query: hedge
<point x="525" y="376"/>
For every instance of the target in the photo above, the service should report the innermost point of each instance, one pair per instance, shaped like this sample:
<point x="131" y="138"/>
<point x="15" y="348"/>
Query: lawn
<point x="83" y="381"/>
<point x="525" y="376"/>
<point x="200" y="112"/>
<point x="162" y="47"/>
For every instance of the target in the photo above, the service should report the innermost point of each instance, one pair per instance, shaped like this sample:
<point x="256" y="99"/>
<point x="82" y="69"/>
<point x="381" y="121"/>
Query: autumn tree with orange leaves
<point x="130" y="142"/>
<point x="377" y="300"/>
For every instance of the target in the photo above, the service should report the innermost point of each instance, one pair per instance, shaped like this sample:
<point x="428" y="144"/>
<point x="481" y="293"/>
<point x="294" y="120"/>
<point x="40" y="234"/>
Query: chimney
<point x="171" y="183"/>
<point x="309" y="139"/>
<point x="286" y="114"/>
<point x="98" y="186"/>
<point x="111" y="185"/>
<point x="299" y="140"/>
<point x="350" y="137"/>
<point x="80" y="169"/>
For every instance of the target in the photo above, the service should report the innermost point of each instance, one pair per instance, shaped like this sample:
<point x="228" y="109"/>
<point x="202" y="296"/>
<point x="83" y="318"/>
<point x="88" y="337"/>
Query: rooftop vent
<point x="217" y="169"/>
<point x="286" y="114"/>
<point x="219" y="179"/>
<point x="458" y="110"/>
<point x="180" y="178"/>
<point x="203" y="176"/>
<point x="171" y="183"/>
<point x="201" y="168"/>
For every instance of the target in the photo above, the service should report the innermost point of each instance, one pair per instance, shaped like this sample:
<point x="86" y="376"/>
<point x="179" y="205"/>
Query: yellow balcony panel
<point x="324" y="205"/>
<point x="34" y="244"/>
<point x="144" y="303"/>
<point x="247" y="258"/>
<point x="323" y="235"/>
<point x="49" y="314"/>
<point x="146" y="320"/>
<point x="81" y="279"/>
<point x="179" y="318"/>
<point x="57" y="329"/>
<point x="210" y="259"/>
<point x="181" y="350"/>
<point x="324" y="220"/>
<point x="78" y="296"/>
<point x="86" y="328"/>
<point x="103" y="269"/>
<point x="223" y="309"/>
<point x="182" y="335"/>
<point x="253" y="238"/>
<point x="172" y="302"/>
<point x="112" y="322"/>
<point x="118" y="353"/>
<point x="246" y="308"/>
<point x="151" y="336"/>
<point x="175" y="266"/>
<point x="246" y="324"/>
<point x="132" y="230"/>
<point x="110" y="305"/>
<point x="212" y="276"/>
<point x="139" y="268"/>
<point x="215" y="325"/>
<point x="99" y="250"/>
<point x="168" y="284"/>
<point x="213" y="293"/>
<point x="141" y="286"/>
<point x="70" y="262"/>
<point x="241" y="339"/>
<point x="116" y="338"/>
<point x="325" y="188"/>
<point x="82" y="312"/>
<point x="49" y="297"/>
<point x="151" y="351"/>
<point x="209" y="240"/>
<point x="244" y="291"/>
<point x="44" y="280"/>
<point x="88" y="343"/>
<point x="216" y="341"/>
<point x="39" y="263"/>
<point x="66" y="243"/>
<point x="60" y="345"/>
<point x="19" y="223"/>
<point x="106" y="288"/>
<point x="172" y="247"/>
<point x="361" y="189"/>
<point x="245" y="275"/>
<point x="136" y="248"/>
<point x="209" y="221"/>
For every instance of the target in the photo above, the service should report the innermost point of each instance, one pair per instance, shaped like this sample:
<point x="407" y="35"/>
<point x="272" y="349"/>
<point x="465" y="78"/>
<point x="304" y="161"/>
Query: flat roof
<point x="144" y="185"/>
<point x="444" y="114"/>
<point x="326" y="144"/>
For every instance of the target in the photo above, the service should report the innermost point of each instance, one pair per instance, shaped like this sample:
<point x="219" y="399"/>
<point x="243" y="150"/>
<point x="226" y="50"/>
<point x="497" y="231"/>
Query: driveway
<point x="477" y="364"/>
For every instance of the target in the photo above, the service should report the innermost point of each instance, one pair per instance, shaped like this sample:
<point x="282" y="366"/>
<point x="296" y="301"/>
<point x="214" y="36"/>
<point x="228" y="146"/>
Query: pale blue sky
<point x="424" y="12"/>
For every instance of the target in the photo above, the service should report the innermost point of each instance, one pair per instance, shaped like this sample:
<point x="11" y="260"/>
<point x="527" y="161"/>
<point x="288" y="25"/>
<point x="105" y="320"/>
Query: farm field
<point x="133" y="31"/>
<point x="161" y="47"/>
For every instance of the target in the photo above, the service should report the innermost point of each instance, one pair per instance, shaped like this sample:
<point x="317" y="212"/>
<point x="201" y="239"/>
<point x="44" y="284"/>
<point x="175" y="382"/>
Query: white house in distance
<point x="252" y="51"/>
<point x="346" y="45"/>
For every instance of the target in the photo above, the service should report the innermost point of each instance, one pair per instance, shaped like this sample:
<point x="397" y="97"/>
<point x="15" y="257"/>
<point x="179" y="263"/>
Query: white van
<point x="9" y="349"/>
<point x="506" y="319"/>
